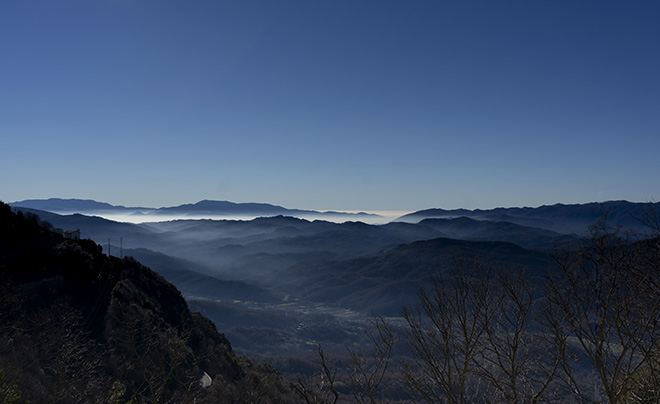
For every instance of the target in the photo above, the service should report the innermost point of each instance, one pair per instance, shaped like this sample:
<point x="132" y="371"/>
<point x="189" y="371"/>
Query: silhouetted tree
<point x="319" y="388"/>
<point x="365" y="371"/>
<point x="445" y="333"/>
<point x="607" y="303"/>
<point x="518" y="359"/>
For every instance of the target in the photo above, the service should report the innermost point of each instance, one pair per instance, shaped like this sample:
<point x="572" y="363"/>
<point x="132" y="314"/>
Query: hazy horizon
<point x="383" y="218"/>
<point x="149" y="214"/>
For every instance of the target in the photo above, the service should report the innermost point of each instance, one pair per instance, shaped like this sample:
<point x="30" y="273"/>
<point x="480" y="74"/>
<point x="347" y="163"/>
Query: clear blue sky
<point x="319" y="104"/>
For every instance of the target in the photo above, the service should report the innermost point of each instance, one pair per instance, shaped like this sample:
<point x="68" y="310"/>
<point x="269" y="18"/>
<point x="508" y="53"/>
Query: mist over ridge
<point x="553" y="217"/>
<point x="204" y="209"/>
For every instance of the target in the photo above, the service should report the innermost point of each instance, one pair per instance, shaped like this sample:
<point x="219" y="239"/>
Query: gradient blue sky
<point x="366" y="105"/>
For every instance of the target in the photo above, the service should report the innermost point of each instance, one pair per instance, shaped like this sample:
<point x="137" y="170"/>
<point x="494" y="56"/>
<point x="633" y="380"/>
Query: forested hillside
<point x="79" y="326"/>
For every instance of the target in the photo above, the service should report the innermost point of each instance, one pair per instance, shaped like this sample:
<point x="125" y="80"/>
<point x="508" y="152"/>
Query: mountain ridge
<point x="561" y="218"/>
<point x="387" y="280"/>
<point x="70" y="204"/>
<point x="203" y="207"/>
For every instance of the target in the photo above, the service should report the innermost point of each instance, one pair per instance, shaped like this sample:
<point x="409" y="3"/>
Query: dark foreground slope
<point x="78" y="326"/>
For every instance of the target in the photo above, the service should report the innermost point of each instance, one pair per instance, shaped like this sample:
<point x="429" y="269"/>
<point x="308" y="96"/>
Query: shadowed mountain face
<point x="464" y="228"/>
<point x="79" y="326"/>
<point x="386" y="281"/>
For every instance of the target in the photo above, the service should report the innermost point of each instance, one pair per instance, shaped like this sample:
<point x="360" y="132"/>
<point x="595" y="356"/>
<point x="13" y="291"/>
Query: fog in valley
<point x="279" y="287"/>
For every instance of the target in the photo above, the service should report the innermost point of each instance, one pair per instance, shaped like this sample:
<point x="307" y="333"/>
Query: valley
<point x="279" y="287"/>
<point x="347" y="271"/>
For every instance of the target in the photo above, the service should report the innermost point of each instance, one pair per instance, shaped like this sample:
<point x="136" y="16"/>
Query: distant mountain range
<point x="560" y="218"/>
<point x="59" y="205"/>
<point x="201" y="208"/>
